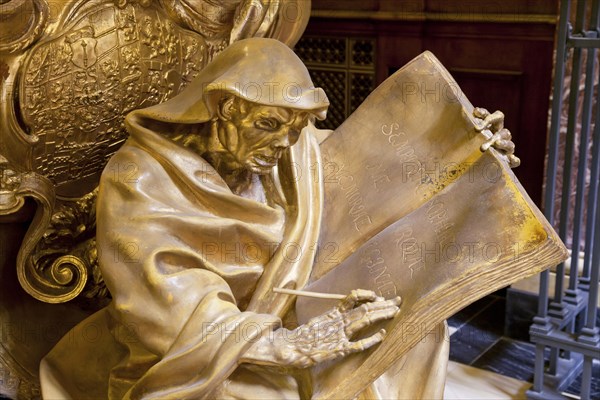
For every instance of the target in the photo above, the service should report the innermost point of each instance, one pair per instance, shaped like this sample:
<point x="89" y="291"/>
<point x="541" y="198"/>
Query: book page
<point x="477" y="235"/>
<point x="417" y="210"/>
<point x="410" y="138"/>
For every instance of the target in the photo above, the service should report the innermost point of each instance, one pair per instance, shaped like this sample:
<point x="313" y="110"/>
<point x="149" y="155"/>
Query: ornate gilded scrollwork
<point x="78" y="69"/>
<point x="9" y="182"/>
<point x="78" y="87"/>
<point x="68" y="251"/>
<point x="69" y="72"/>
<point x="58" y="260"/>
<point x="22" y="22"/>
<point x="59" y="254"/>
<point x="61" y="282"/>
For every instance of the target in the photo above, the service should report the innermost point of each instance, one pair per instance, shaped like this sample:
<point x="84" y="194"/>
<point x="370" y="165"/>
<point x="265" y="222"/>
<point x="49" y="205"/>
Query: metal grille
<point x="361" y="85"/>
<point x="344" y="68"/>
<point x="334" y="84"/>
<point x="363" y="52"/>
<point x="565" y="330"/>
<point x="322" y="50"/>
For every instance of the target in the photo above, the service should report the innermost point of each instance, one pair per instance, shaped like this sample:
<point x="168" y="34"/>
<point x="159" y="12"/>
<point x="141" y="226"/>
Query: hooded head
<point x="261" y="71"/>
<point x="259" y="94"/>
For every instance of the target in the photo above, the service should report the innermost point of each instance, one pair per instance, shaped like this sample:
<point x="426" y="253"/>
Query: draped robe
<point x="191" y="265"/>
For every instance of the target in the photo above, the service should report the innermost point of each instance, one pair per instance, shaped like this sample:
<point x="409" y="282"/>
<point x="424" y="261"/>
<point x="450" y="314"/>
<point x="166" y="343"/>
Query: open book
<point x="414" y="208"/>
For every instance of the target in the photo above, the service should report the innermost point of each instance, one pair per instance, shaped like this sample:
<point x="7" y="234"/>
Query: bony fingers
<point x="505" y="134"/>
<point x="514" y="161"/>
<point x="357" y="296"/>
<point x="348" y="303"/>
<point x="369" y="310"/>
<point x="357" y="319"/>
<point x="493" y="122"/>
<point x="480" y="112"/>
<point x="384" y="304"/>
<point x="369" y="316"/>
<point x="362" y="295"/>
<point x="382" y="314"/>
<point x="366" y="308"/>
<point x="365" y="295"/>
<point x="491" y="142"/>
<point x="355" y="326"/>
<point x="506" y="146"/>
<point x="366" y="343"/>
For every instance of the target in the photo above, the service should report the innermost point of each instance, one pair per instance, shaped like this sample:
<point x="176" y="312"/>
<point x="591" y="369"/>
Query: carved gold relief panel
<point x="78" y="87"/>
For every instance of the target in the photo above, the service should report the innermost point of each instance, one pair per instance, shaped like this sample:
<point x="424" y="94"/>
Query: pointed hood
<point x="263" y="71"/>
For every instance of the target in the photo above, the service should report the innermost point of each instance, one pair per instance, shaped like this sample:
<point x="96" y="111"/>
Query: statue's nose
<point x="282" y="140"/>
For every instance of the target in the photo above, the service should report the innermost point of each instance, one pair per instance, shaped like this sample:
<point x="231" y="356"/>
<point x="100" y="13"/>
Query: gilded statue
<point x="192" y="243"/>
<point x="197" y="213"/>
<point x="184" y="265"/>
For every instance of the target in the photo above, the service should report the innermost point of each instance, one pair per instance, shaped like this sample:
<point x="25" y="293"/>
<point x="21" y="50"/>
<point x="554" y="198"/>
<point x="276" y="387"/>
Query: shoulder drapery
<point x="190" y="266"/>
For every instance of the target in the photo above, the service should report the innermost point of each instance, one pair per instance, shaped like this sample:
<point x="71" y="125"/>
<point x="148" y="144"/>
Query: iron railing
<point x="565" y="331"/>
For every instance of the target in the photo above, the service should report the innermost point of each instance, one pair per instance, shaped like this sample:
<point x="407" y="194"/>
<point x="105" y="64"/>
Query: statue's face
<point x="262" y="134"/>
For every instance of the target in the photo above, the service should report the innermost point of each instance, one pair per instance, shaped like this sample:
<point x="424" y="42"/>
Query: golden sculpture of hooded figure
<point x="191" y="265"/>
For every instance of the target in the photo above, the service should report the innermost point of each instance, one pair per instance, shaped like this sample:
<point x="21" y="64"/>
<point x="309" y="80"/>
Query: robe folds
<point x="191" y="266"/>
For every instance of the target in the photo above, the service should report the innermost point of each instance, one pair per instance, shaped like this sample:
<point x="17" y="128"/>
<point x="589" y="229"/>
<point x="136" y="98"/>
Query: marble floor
<point x="465" y="382"/>
<point x="487" y="365"/>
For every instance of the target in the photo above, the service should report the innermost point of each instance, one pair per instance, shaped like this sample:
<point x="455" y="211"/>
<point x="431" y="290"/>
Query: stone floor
<point x="487" y="364"/>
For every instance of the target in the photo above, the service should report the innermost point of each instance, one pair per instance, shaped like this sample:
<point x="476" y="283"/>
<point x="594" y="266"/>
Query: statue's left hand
<point x="327" y="336"/>
<point x="501" y="137"/>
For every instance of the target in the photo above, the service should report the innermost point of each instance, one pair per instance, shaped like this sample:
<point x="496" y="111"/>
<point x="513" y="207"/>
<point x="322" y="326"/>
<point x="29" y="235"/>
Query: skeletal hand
<point x="328" y="336"/>
<point x="501" y="137"/>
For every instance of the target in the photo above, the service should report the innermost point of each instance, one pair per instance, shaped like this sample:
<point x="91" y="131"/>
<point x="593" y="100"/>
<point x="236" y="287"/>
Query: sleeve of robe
<point x="190" y="267"/>
<point x="175" y="300"/>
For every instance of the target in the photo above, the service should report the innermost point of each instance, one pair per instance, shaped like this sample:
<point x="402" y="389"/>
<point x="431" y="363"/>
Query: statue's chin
<point x="260" y="166"/>
<point x="260" y="170"/>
